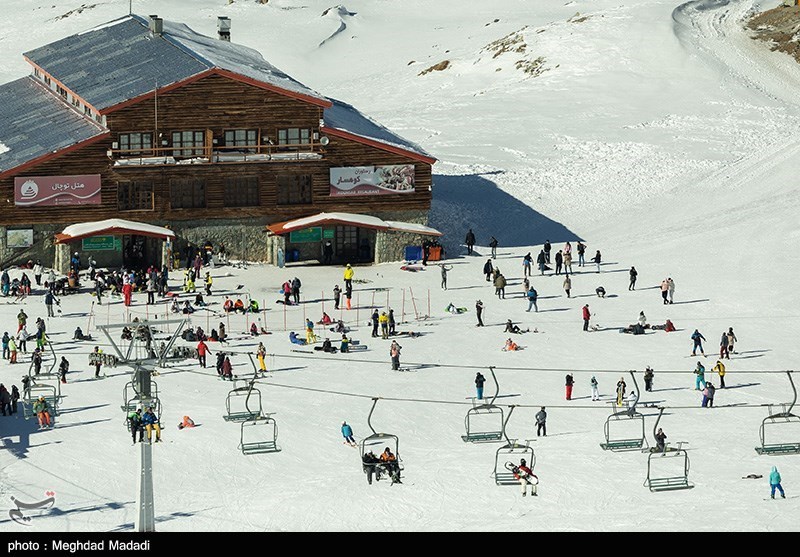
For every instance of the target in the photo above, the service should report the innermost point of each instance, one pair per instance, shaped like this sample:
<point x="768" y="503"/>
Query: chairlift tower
<point x="143" y="357"/>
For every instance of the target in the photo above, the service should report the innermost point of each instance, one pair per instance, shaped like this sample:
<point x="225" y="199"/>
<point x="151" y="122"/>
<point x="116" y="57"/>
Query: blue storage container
<point x="413" y="253"/>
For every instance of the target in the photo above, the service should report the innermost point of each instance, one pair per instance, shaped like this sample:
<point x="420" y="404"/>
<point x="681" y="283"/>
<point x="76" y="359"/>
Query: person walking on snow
<point x="527" y="261"/>
<point x="670" y="288"/>
<point x="500" y="286"/>
<point x="648" y="379"/>
<point x="775" y="483"/>
<point x="569" y="382"/>
<point x="445" y="268"/>
<point x="541" y="423"/>
<point x="731" y="339"/>
<point x="547" y="248"/>
<point x="621" y="386"/>
<point x="488" y="270"/>
<point x="63" y="369"/>
<point x="348" y="277"/>
<point x="337" y="294"/>
<point x="479" y="381"/>
<point x="394" y="352"/>
<point x="697" y="339"/>
<point x="470" y="241"/>
<point x="595" y="390"/>
<point x="597" y="257"/>
<point x="202" y="350"/>
<point x="374" y="321"/>
<point x="567" y="285"/>
<point x="383" y="319"/>
<point x="532" y="297"/>
<point x="586" y="316"/>
<point x="479" y="311"/>
<point x="567" y="263"/>
<point x="708" y="395"/>
<point x="540" y="262"/>
<point x="723" y="346"/>
<point x="493" y="244"/>
<point x="661" y="441"/>
<point x="581" y="252"/>
<point x="664" y="290"/>
<point x="700" y="377"/>
<point x="559" y="262"/>
<point x="633" y="273"/>
<point x="347" y="433"/>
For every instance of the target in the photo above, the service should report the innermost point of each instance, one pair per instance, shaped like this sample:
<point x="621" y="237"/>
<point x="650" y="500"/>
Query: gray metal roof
<point x="346" y="117"/>
<point x="35" y="122"/>
<point x="122" y="60"/>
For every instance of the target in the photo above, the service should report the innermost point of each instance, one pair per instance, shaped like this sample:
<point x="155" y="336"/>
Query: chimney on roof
<point x="224" y="28"/>
<point x="156" y="25"/>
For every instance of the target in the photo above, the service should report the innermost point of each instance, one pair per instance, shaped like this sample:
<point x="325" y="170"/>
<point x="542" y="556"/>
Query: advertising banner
<point x="45" y="191"/>
<point x="372" y="180"/>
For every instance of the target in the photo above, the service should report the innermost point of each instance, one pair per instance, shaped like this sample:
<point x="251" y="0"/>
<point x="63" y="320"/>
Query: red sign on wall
<point x="57" y="190"/>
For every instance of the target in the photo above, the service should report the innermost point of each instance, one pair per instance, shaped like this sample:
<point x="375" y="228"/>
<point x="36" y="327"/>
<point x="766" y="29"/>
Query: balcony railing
<point x="214" y="154"/>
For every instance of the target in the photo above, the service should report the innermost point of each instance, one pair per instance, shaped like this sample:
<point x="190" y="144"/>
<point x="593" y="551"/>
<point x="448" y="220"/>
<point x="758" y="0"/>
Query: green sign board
<point x="328" y="233"/>
<point x="306" y="235"/>
<point x="99" y="243"/>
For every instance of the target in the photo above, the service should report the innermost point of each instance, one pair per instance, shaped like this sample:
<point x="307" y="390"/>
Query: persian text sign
<point x="57" y="190"/>
<point x="372" y="180"/>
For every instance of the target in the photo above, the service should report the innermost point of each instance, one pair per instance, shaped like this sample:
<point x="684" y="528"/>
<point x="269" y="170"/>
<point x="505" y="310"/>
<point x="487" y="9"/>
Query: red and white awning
<point x="350" y="219"/>
<point x="112" y="227"/>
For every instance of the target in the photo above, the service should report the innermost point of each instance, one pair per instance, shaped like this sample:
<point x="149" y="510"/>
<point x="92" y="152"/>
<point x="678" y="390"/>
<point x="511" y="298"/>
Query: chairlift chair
<point x="376" y="442"/>
<point x="32" y="394"/>
<point x="783" y="418"/>
<point x="629" y="417"/>
<point x="131" y="399"/>
<point x="514" y="450"/>
<point x="675" y="459"/>
<point x="243" y="403"/>
<point x="259" y="434"/>
<point x="484" y="413"/>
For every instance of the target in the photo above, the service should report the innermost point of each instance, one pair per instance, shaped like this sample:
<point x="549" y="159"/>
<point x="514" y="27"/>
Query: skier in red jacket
<point x="202" y="350"/>
<point x="586" y="316"/>
<point x="526" y="477"/>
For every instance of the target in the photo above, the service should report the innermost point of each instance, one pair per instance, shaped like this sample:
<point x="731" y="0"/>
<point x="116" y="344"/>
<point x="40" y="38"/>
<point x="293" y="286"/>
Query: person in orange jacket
<point x="187" y="422"/>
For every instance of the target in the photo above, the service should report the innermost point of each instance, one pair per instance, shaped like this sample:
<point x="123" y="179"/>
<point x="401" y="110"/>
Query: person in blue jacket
<point x="697" y="338"/>
<point x="150" y="423"/>
<point x="775" y="483"/>
<point x="295" y="339"/>
<point x="347" y="433"/>
<point x="532" y="297"/>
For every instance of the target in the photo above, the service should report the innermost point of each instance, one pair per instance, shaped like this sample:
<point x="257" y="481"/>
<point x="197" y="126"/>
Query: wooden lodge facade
<point x="215" y="156"/>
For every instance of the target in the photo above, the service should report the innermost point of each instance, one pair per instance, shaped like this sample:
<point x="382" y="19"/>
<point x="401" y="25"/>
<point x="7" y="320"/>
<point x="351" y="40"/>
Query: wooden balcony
<point x="215" y="154"/>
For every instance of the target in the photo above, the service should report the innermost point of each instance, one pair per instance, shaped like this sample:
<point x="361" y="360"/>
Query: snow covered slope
<point x="657" y="132"/>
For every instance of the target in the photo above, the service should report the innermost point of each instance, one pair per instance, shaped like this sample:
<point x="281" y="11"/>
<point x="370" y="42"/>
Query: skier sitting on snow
<point x="510" y="346"/>
<point x="326" y="319"/>
<point x="511" y="328"/>
<point x="295" y="339"/>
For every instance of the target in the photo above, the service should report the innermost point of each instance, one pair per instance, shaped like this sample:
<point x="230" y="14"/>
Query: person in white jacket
<point x="595" y="391"/>
<point x="37" y="272"/>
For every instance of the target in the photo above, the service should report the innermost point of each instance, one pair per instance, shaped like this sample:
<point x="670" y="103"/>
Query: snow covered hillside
<point x="659" y="133"/>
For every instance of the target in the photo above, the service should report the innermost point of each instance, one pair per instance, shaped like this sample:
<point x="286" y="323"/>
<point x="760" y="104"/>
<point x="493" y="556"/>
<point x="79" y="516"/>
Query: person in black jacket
<point x="569" y="382"/>
<point x="493" y="244"/>
<point x="547" y="248"/>
<point x="559" y="262"/>
<point x="488" y="269"/>
<point x="479" y="311"/>
<point x="470" y="241"/>
<point x="479" y="381"/>
<point x="375" y="318"/>
<point x="541" y="423"/>
<point x="633" y="273"/>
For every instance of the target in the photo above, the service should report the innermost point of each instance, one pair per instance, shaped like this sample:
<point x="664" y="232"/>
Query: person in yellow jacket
<point x="209" y="282"/>
<point x="383" y="319"/>
<point x="348" y="276"/>
<point x="720" y="369"/>
<point x="261" y="353"/>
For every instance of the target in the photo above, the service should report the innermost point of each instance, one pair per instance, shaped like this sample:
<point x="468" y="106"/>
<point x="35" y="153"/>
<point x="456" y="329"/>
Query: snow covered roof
<point x="347" y="121"/>
<point x="121" y="60"/>
<point x="35" y="123"/>
<point x="350" y="219"/>
<point x="112" y="226"/>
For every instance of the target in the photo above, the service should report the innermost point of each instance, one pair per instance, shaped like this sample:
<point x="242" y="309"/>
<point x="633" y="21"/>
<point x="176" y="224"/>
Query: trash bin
<point x="435" y="253"/>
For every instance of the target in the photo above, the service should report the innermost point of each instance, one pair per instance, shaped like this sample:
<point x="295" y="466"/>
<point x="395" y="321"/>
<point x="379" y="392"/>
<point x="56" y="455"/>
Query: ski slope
<point x="660" y="134"/>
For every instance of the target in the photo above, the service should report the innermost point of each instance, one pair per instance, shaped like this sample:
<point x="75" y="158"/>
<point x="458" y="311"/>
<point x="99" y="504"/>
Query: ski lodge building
<point x="131" y="141"/>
